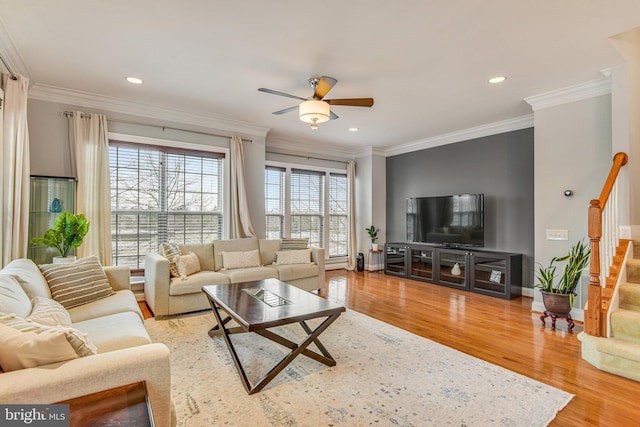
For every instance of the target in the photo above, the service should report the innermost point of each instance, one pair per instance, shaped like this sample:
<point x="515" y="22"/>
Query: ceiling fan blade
<point x="275" y="92"/>
<point x="333" y="116"/>
<point x="286" y="110"/>
<point x="324" y="86"/>
<point x="354" y="102"/>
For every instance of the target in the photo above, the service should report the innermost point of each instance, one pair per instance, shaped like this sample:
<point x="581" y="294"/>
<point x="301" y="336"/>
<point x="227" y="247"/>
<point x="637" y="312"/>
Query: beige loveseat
<point x="114" y="325"/>
<point x="167" y="295"/>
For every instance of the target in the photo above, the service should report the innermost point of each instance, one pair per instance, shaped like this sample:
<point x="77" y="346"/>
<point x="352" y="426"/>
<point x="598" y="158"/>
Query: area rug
<point x="384" y="376"/>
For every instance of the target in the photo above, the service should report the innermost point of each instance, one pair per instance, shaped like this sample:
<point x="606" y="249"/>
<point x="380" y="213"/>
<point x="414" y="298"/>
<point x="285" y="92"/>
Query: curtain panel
<point x="89" y="146"/>
<point x="352" y="240"/>
<point x="241" y="225"/>
<point x="14" y="185"/>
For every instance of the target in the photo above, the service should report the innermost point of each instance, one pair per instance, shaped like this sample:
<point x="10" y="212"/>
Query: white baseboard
<point x="630" y="231"/>
<point x="527" y="292"/>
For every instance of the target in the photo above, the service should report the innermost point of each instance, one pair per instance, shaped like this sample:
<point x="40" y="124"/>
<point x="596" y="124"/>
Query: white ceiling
<point x="426" y="63"/>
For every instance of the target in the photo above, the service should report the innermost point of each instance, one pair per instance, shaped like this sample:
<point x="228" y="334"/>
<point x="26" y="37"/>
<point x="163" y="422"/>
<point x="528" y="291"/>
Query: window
<point x="161" y="194"/>
<point x="274" y="202"/>
<point x="303" y="203"/>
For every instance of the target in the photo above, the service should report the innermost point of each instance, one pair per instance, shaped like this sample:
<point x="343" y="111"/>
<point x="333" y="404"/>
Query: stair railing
<point x="604" y="234"/>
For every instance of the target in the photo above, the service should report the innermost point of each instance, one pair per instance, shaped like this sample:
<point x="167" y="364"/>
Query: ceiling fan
<point x="316" y="109"/>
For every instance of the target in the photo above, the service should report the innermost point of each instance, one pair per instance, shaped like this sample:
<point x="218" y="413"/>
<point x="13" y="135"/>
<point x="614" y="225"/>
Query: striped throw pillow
<point x="170" y="251"/>
<point x="291" y="244"/>
<point x="77" y="283"/>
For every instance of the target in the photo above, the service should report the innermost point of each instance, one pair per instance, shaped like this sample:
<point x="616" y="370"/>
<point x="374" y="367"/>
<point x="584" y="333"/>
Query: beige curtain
<point x="353" y="241"/>
<point x="14" y="159"/>
<point x="240" y="219"/>
<point x="90" y="163"/>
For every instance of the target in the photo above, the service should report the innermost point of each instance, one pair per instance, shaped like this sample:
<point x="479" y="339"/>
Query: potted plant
<point x="559" y="298"/>
<point x="373" y="234"/>
<point x="68" y="232"/>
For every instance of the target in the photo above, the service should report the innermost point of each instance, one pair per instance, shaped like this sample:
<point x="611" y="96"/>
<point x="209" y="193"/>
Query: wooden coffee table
<point x="263" y="304"/>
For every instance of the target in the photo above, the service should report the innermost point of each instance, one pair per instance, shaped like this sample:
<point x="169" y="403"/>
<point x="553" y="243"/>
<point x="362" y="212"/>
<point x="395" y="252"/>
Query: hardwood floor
<point x="505" y="333"/>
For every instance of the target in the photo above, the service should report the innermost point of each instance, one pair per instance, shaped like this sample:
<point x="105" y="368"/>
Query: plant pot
<point x="374" y="246"/>
<point x="556" y="303"/>
<point x="62" y="260"/>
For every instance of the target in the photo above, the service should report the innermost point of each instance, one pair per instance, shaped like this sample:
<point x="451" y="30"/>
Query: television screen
<point x="456" y="220"/>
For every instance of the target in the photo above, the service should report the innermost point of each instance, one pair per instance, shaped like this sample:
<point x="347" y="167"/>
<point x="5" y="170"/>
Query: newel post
<point x="593" y="319"/>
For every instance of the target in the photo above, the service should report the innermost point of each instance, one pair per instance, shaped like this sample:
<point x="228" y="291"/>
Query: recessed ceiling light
<point x="497" y="79"/>
<point x="353" y="129"/>
<point x="134" y="80"/>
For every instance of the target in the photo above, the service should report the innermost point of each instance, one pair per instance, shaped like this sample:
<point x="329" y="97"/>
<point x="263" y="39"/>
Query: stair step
<point x="633" y="270"/>
<point x="612" y="355"/>
<point x="625" y="325"/>
<point x="630" y="296"/>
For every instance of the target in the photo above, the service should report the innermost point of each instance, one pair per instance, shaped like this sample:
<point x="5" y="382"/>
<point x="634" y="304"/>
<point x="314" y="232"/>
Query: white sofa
<point x="168" y="295"/>
<point x="125" y="353"/>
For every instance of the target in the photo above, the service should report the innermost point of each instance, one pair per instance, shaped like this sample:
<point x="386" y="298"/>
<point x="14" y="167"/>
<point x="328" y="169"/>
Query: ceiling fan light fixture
<point x="314" y="112"/>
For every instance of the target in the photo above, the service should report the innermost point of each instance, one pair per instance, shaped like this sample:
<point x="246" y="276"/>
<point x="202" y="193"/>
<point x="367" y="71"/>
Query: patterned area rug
<point x="384" y="376"/>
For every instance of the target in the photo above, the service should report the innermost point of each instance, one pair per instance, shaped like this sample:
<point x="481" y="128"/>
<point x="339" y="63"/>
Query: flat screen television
<point x="456" y="220"/>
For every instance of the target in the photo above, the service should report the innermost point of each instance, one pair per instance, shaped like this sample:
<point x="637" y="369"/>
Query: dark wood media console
<point x="497" y="274"/>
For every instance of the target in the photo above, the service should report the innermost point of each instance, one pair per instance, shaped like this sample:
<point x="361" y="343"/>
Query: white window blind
<point x="162" y="194"/>
<point x="274" y="201"/>
<point x="307" y="206"/>
<point x="338" y="215"/>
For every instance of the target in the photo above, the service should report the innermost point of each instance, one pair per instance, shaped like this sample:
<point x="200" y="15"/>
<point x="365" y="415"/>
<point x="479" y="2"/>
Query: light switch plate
<point x="557" y="234"/>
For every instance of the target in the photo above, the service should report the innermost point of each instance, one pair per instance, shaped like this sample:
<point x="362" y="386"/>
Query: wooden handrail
<point x="594" y="316"/>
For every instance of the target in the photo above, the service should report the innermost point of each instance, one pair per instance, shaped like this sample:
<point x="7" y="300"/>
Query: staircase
<point x="620" y="353"/>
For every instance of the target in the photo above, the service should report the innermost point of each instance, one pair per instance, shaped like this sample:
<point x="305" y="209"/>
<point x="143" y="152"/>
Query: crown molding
<point x="569" y="94"/>
<point x="11" y="54"/>
<point x="284" y="146"/>
<point x="495" y="128"/>
<point x="108" y="104"/>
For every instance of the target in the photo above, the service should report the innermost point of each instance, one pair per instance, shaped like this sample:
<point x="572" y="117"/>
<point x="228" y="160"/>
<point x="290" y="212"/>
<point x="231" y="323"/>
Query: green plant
<point x="373" y="233"/>
<point x="576" y="261"/>
<point x="68" y="232"/>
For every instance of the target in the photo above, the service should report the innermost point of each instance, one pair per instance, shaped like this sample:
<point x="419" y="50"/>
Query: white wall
<point x="572" y="151"/>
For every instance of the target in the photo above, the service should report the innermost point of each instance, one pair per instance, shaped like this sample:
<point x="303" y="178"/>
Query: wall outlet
<point x="557" y="234"/>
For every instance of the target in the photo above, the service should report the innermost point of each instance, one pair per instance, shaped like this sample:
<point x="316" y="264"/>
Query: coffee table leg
<point x="300" y="348"/>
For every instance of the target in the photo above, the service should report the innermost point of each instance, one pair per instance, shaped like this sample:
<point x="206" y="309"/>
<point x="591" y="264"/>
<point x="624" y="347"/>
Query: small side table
<point x="554" y="317"/>
<point x="377" y="254"/>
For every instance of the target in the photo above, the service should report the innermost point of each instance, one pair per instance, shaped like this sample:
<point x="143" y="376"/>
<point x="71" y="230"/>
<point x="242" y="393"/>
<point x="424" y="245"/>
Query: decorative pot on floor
<point x="557" y="303"/>
<point x="63" y="259"/>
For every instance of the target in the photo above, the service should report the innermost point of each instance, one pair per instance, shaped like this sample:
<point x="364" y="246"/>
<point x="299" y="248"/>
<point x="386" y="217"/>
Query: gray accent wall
<point x="499" y="166"/>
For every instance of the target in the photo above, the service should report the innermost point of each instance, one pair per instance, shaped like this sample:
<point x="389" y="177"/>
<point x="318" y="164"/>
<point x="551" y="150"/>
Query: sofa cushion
<point x="120" y="302"/>
<point x="204" y="253"/>
<point x="268" y="249"/>
<point x="47" y="311"/>
<point x="25" y="344"/>
<point x="187" y="264"/>
<point x="251" y="274"/>
<point x="302" y="256"/>
<point x="13" y="299"/>
<point x="170" y="251"/>
<point x="194" y="283"/>
<point x="76" y="283"/>
<point x="295" y="271"/>
<point x="240" y="259"/>
<point x="115" y="332"/>
<point x="233" y="245"/>
<point x="290" y="244"/>
<point x="29" y="276"/>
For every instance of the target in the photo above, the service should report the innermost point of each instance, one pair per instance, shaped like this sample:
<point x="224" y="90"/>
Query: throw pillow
<point x="13" y="299"/>
<point x="302" y="256"/>
<point x="240" y="259"/>
<point x="77" y="283"/>
<point x="25" y="344"/>
<point x="292" y="244"/>
<point x="47" y="311"/>
<point x="187" y="264"/>
<point x="170" y="251"/>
